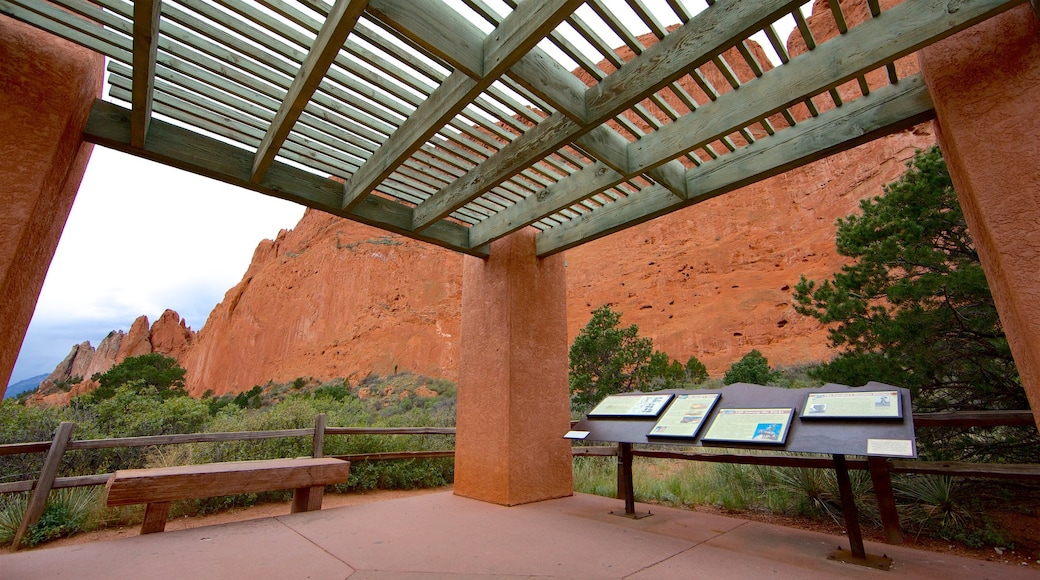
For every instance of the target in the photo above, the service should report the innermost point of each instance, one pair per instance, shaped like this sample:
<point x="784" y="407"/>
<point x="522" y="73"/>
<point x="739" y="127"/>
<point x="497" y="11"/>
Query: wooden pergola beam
<point x="696" y="43"/>
<point x="884" y="111"/>
<point x="518" y="33"/>
<point x="905" y="28"/>
<point x="339" y="23"/>
<point x="146" y="44"/>
<point x="109" y="126"/>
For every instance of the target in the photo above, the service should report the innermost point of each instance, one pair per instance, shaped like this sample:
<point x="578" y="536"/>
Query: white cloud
<point x="141" y="238"/>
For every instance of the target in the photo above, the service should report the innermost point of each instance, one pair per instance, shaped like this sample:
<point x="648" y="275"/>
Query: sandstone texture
<point x="336" y="299"/>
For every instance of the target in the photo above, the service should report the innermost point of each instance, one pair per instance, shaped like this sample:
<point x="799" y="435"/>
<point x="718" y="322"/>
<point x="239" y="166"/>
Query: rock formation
<point x="169" y="336"/>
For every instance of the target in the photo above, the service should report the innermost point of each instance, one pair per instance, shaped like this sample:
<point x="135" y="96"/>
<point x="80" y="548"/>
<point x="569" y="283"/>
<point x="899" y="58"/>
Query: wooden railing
<point x="880" y="468"/>
<point x="62" y="442"/>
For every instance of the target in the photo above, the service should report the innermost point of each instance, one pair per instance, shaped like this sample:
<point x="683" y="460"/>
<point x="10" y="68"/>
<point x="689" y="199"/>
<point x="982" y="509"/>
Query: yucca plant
<point x="67" y="512"/>
<point x="935" y="501"/>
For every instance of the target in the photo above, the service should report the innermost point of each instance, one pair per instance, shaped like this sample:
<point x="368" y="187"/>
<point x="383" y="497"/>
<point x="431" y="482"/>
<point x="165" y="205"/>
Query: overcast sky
<point x="141" y="238"/>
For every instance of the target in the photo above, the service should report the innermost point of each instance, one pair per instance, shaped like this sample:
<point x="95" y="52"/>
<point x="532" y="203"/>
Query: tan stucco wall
<point x="985" y="83"/>
<point x="513" y="402"/>
<point x="46" y="88"/>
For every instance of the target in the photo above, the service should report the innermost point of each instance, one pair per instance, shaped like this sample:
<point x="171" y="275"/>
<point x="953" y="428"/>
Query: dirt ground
<point x="1025" y="529"/>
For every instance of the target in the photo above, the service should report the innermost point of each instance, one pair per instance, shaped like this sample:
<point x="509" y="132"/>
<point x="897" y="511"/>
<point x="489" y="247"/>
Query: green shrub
<point x="751" y="368"/>
<point x="67" y="512"/>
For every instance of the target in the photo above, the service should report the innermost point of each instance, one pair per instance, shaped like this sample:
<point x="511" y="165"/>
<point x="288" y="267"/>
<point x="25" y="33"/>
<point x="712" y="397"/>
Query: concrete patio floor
<point x="444" y="536"/>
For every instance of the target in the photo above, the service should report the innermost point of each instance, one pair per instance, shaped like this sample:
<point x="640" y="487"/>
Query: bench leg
<point x="307" y="499"/>
<point x="155" y="517"/>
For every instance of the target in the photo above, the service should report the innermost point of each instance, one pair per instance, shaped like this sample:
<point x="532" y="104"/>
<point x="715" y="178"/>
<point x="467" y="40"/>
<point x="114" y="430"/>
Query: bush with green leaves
<point x="606" y="359"/>
<point x="152" y="370"/>
<point x="751" y="368"/>
<point x="67" y="512"/>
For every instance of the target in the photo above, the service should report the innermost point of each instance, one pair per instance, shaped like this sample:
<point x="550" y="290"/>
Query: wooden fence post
<point x="319" y="435"/>
<point x="881" y="477"/>
<point x="38" y="499"/>
<point x="307" y="499"/>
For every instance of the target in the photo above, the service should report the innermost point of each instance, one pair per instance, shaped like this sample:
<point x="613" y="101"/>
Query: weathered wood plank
<point x="146" y="29"/>
<point x="155" y="517"/>
<point x="38" y="498"/>
<point x="59" y="483"/>
<point x="395" y="455"/>
<point x="881" y="479"/>
<point x="150" y="440"/>
<point x="439" y="30"/>
<point x="693" y="44"/>
<point x="905" y="28"/>
<point x="109" y="126"/>
<point x="598" y="451"/>
<point x="1024" y="471"/>
<point x="508" y="43"/>
<point x="134" y="486"/>
<point x="390" y="430"/>
<point x="974" y="419"/>
<point x="886" y="110"/>
<point x="323" y="52"/>
<point x="70" y="27"/>
<point x="646" y="73"/>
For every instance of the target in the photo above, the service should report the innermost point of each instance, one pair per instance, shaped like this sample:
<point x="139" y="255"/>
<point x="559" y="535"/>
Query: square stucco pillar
<point x="513" y="401"/>
<point x="47" y="86"/>
<point x="985" y="83"/>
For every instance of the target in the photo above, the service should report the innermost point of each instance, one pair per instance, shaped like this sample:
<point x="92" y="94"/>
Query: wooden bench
<point x="159" y="486"/>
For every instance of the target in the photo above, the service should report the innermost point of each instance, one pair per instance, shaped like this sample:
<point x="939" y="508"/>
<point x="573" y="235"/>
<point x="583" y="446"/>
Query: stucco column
<point x="985" y="83"/>
<point x="513" y="401"/>
<point x="47" y="86"/>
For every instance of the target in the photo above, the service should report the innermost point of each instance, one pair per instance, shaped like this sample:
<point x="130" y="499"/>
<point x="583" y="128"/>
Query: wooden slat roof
<point x="460" y="122"/>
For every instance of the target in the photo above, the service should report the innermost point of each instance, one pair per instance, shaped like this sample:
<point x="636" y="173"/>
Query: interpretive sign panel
<point x="767" y="426"/>
<point x="636" y="406"/>
<point x="853" y="405"/>
<point x="684" y="415"/>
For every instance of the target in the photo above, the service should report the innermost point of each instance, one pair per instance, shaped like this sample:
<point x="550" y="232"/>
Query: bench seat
<point x="157" y="487"/>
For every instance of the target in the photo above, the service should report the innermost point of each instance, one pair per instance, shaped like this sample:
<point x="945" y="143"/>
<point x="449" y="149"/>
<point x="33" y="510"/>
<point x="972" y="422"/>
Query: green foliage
<point x="696" y="372"/>
<point x="24" y="424"/>
<point x="933" y="501"/>
<point x="751" y="368"/>
<point x="913" y="309"/>
<point x="67" y="512"/>
<point x="606" y="359"/>
<point x="153" y="370"/>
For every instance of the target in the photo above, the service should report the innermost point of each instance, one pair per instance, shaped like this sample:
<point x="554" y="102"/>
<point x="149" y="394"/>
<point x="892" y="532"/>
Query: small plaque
<point x="853" y="405"/>
<point x="577" y="434"/>
<point x="631" y="406"/>
<point x="684" y="416"/>
<point x="890" y="447"/>
<point x="758" y="426"/>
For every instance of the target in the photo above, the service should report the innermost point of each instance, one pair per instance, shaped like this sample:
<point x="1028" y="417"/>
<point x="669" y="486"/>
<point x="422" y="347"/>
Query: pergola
<point x="460" y="123"/>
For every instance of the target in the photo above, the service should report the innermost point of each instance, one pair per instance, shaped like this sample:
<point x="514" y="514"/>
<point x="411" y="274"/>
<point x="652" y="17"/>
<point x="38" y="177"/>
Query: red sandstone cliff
<point x="332" y="298"/>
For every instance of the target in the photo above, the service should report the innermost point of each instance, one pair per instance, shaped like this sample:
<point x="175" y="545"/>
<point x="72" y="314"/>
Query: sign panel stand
<point x="835" y="420"/>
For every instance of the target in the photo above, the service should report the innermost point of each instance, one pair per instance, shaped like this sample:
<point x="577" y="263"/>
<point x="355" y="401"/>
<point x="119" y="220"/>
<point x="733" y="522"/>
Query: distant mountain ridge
<point x="15" y="389"/>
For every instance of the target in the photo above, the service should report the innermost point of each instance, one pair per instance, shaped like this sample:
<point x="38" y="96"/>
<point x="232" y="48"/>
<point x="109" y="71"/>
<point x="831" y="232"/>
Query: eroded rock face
<point x="332" y="298"/>
<point x="170" y="336"/>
